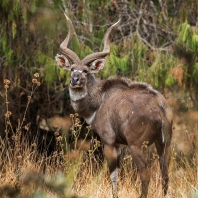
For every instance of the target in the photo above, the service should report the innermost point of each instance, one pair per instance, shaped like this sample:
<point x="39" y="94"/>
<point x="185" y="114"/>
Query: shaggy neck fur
<point x="77" y="94"/>
<point x="86" y="100"/>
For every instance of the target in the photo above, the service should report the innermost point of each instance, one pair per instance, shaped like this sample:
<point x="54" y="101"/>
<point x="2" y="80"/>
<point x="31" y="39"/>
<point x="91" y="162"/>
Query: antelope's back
<point x="123" y="95"/>
<point x="133" y="111"/>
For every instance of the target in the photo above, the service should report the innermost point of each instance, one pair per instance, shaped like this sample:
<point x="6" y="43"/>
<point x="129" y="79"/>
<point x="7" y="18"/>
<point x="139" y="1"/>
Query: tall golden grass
<point x="27" y="172"/>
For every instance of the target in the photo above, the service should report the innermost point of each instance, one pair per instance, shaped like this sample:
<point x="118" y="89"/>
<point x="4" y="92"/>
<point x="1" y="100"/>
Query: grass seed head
<point x="56" y="133"/>
<point x="59" y="138"/>
<point x="36" y="75"/>
<point x="8" y="114"/>
<point x="34" y="80"/>
<point x="6" y="82"/>
<point x="6" y="86"/>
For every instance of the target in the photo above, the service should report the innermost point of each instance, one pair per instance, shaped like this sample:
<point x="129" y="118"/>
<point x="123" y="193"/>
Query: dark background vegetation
<point x="156" y="42"/>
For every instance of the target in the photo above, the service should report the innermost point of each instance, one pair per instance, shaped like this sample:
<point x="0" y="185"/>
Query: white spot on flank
<point x="161" y="105"/>
<point x="90" y="119"/>
<point x="163" y="139"/>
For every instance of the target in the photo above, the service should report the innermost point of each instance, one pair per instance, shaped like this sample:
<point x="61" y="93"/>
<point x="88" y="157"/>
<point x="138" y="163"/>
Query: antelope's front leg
<point x="112" y="155"/>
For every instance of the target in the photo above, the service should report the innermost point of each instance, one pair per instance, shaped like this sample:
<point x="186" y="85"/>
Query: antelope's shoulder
<point x="127" y="84"/>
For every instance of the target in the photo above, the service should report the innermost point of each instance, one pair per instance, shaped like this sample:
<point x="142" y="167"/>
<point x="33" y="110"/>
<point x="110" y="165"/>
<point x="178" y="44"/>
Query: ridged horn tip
<point x="116" y="23"/>
<point x="67" y="18"/>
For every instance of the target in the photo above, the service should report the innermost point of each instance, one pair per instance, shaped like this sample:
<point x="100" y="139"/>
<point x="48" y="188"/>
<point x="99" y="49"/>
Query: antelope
<point x="120" y="111"/>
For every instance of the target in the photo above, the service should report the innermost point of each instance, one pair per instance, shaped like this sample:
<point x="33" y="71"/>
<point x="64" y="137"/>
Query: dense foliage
<point x="156" y="42"/>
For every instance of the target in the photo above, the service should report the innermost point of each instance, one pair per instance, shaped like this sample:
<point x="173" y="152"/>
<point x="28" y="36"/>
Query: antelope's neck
<point x="86" y="100"/>
<point x="77" y="94"/>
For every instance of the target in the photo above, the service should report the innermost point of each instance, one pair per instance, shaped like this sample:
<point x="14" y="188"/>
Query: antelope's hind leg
<point x="163" y="151"/>
<point x="141" y="163"/>
<point x="112" y="155"/>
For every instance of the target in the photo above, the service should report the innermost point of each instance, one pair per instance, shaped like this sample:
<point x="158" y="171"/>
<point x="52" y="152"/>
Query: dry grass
<point x="26" y="172"/>
<point x="32" y="174"/>
<point x="178" y="73"/>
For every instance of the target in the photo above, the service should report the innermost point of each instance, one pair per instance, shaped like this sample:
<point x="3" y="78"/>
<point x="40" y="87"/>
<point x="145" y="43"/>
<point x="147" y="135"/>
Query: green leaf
<point x="194" y="42"/>
<point x="169" y="81"/>
<point x="195" y="73"/>
<point x="14" y="29"/>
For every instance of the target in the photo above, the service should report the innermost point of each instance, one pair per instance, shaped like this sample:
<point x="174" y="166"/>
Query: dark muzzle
<point x="74" y="80"/>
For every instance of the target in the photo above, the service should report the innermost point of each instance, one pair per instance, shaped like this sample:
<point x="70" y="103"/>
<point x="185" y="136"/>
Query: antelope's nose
<point x="74" y="79"/>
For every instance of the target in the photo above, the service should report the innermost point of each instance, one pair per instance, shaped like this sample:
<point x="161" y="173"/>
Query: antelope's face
<point x="78" y="76"/>
<point x="80" y="69"/>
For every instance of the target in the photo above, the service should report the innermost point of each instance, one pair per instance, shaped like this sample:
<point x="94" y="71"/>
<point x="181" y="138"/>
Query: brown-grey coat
<point x="120" y="111"/>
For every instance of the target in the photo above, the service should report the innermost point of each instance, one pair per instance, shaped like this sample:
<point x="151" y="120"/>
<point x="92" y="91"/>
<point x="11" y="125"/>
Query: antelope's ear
<point x="97" y="65"/>
<point x="63" y="62"/>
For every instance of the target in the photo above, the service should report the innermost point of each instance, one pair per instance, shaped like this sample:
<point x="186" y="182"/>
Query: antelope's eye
<point x="85" y="71"/>
<point x="72" y="69"/>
